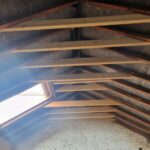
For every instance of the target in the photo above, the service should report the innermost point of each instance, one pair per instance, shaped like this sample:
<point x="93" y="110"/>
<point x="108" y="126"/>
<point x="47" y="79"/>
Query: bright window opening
<point x="20" y="103"/>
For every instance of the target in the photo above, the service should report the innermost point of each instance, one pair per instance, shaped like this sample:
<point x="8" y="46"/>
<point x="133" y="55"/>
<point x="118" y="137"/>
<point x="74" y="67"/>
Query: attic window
<point x="21" y="103"/>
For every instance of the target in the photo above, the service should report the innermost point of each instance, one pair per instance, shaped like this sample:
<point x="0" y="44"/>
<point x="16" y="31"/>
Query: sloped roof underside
<point x="116" y="79"/>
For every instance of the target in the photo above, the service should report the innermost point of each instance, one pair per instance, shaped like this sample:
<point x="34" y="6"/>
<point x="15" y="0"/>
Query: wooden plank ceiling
<point x="100" y="84"/>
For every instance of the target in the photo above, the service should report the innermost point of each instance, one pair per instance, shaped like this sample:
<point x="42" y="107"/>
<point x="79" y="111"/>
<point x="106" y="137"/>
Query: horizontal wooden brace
<point x="83" y="103"/>
<point x="78" y="22"/>
<point x="77" y="82"/>
<point x="45" y="62"/>
<point x="82" y="77"/>
<point x="76" y="45"/>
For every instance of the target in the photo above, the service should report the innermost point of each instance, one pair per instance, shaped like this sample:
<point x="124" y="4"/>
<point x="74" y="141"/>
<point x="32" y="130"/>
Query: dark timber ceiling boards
<point x="92" y="56"/>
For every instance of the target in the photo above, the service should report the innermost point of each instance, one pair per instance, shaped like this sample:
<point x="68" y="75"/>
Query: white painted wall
<point x="85" y="135"/>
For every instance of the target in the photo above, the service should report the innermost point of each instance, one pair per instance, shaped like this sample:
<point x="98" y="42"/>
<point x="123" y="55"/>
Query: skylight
<point x="16" y="105"/>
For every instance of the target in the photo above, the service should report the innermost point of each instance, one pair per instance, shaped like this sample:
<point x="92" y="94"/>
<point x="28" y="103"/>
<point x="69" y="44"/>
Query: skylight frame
<point x="30" y="110"/>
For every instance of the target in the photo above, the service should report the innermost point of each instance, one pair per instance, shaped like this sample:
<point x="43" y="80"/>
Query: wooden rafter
<point x="91" y="95"/>
<point x="131" y="72"/>
<point x="126" y="105"/>
<point x="130" y="117"/>
<point x="40" y="14"/>
<point x="117" y="7"/>
<point x="134" y="87"/>
<point x="83" y="103"/>
<point x="124" y="33"/>
<point x="124" y="9"/>
<point x="46" y="62"/>
<point x="132" y="125"/>
<point x="129" y="106"/>
<point x="78" y="22"/>
<point x="82" y="77"/>
<point x="126" y="84"/>
<point x="75" y="45"/>
<point x="123" y="69"/>
<point x="128" y="95"/>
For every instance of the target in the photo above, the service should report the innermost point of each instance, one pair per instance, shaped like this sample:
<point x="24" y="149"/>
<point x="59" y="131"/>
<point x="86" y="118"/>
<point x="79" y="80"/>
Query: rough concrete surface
<point x="85" y="135"/>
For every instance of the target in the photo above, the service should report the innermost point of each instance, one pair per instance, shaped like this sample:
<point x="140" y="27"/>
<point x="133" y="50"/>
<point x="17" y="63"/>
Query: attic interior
<point x="86" y="64"/>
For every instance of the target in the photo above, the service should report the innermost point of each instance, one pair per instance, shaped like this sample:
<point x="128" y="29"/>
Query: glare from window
<point x="20" y="103"/>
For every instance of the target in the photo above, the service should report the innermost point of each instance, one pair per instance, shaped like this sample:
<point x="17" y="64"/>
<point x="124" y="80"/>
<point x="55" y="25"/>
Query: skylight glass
<point x="20" y="103"/>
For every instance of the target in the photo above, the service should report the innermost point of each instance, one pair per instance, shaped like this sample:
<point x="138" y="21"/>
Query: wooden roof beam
<point x="92" y="94"/>
<point x="134" y="109"/>
<point x="134" y="119"/>
<point x="83" y="103"/>
<point x="76" y="45"/>
<point x="82" y="77"/>
<point x="121" y="92"/>
<point x="125" y="83"/>
<point x="132" y="127"/>
<point x="124" y="69"/>
<point x="45" y="62"/>
<point x="134" y="87"/>
<point x="131" y="72"/>
<point x="78" y="22"/>
<point x="80" y="82"/>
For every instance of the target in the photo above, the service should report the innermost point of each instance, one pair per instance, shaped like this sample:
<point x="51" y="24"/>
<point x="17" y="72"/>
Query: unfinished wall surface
<point x="5" y="144"/>
<point x="84" y="135"/>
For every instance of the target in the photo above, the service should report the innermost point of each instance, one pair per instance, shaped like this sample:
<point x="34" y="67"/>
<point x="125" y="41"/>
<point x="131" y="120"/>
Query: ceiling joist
<point x="78" y="22"/>
<point x="76" y="45"/>
<point x="80" y="82"/>
<point x="82" y="77"/>
<point x="83" y="103"/>
<point x="46" y="62"/>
